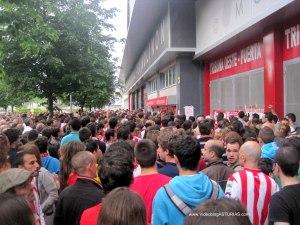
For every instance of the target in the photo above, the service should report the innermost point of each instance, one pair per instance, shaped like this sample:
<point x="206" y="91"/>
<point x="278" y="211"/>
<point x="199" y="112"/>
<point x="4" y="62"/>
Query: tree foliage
<point x="56" y="47"/>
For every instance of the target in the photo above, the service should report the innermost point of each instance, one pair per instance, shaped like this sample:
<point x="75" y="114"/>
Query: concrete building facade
<point x="214" y="55"/>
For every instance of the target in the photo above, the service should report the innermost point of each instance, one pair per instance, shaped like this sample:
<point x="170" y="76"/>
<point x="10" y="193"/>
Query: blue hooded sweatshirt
<point x="193" y="190"/>
<point x="269" y="150"/>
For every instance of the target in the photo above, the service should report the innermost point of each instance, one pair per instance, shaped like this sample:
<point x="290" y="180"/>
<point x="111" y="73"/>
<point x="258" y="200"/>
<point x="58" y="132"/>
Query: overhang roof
<point x="163" y="60"/>
<point x="145" y="16"/>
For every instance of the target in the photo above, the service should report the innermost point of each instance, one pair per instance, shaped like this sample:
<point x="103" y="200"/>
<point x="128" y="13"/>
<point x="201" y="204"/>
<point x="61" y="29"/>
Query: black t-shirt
<point x="285" y="206"/>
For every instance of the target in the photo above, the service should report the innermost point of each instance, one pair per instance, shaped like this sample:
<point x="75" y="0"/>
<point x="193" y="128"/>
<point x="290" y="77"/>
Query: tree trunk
<point x="12" y="109"/>
<point x="50" y="105"/>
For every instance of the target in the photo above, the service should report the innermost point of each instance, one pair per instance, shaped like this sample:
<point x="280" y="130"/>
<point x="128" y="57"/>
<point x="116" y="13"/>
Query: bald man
<point x="251" y="186"/>
<point x="216" y="169"/>
<point x="85" y="193"/>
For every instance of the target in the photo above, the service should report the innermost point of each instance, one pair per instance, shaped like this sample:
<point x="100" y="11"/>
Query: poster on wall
<point x="188" y="111"/>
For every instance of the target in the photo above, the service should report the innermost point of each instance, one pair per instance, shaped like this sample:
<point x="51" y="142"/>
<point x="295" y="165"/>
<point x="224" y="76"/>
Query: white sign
<point x="292" y="36"/>
<point x="188" y="111"/>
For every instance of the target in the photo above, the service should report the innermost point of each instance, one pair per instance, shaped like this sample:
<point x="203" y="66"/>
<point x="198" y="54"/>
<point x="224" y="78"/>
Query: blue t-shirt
<point x="73" y="136"/>
<point x="51" y="164"/>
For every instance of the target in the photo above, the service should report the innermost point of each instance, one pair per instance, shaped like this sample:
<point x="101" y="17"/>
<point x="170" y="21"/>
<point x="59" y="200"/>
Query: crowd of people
<point x="142" y="168"/>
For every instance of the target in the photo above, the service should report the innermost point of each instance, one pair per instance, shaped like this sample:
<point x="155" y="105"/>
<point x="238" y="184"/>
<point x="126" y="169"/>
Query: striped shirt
<point x="254" y="189"/>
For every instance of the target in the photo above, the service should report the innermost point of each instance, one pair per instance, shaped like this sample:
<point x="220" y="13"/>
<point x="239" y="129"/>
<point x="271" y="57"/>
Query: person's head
<point x="4" y="162"/>
<point x="85" y="120"/>
<point x="293" y="141"/>
<point x="84" y="134"/>
<point x="113" y="122"/>
<point x="285" y="121"/>
<point x="250" y="134"/>
<point x="18" y="182"/>
<point x="163" y="140"/>
<point x="93" y="147"/>
<point x="42" y="144"/>
<point x="84" y="163"/>
<point x="145" y="153"/>
<point x="287" y="162"/>
<point x="153" y="135"/>
<point x="28" y="122"/>
<point x="249" y="154"/>
<point x="47" y="132"/>
<point x="14" y="210"/>
<point x="206" y="127"/>
<point x="291" y="117"/>
<point x="217" y="207"/>
<point x="40" y="126"/>
<point x="233" y="143"/>
<point x="275" y="119"/>
<point x="75" y="124"/>
<point x="116" y="168"/>
<point x="186" y="150"/>
<point x="241" y="114"/>
<point x="123" y="132"/>
<point x="93" y="128"/>
<point x="213" y="150"/>
<point x="110" y="135"/>
<point x="32" y="135"/>
<point x="192" y="119"/>
<point x="66" y="156"/>
<point x="266" y="135"/>
<point x="13" y="135"/>
<point x="220" y="116"/>
<point x="268" y="117"/>
<point x="281" y="130"/>
<point x="266" y="166"/>
<point x="26" y="159"/>
<point x="165" y="120"/>
<point x="255" y="116"/>
<point x="121" y="146"/>
<point x="187" y="125"/>
<point x="4" y="143"/>
<point x="122" y="207"/>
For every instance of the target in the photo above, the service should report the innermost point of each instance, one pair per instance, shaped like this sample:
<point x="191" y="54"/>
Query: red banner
<point x="245" y="59"/>
<point x="157" y="101"/>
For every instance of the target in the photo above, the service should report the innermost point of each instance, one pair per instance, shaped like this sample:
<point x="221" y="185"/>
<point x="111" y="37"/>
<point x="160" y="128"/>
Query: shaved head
<point x="250" y="152"/>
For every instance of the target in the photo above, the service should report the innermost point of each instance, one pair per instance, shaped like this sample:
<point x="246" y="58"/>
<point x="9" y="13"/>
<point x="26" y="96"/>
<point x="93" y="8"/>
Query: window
<point x="168" y="78"/>
<point x="153" y="85"/>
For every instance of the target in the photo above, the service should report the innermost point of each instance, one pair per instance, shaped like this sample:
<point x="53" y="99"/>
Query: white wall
<point x="219" y="20"/>
<point x="152" y="95"/>
<point x="168" y="91"/>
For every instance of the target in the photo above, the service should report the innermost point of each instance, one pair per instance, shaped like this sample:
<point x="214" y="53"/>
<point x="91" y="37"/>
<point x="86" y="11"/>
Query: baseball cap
<point x="13" y="177"/>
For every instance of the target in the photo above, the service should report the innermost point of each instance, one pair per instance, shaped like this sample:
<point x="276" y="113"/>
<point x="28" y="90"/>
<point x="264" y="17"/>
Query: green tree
<point x="56" y="47"/>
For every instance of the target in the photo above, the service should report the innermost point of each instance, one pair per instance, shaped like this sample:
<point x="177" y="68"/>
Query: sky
<point x="120" y="23"/>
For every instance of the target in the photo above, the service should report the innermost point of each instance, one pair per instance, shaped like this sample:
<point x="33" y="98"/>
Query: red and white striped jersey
<point x="254" y="189"/>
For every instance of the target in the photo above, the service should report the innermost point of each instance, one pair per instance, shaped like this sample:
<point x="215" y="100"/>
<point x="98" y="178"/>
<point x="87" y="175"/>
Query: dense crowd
<point x="141" y="168"/>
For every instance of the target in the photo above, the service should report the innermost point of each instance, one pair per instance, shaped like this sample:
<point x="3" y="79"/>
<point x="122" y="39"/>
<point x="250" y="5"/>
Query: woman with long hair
<point x="67" y="176"/>
<point x="122" y="207"/>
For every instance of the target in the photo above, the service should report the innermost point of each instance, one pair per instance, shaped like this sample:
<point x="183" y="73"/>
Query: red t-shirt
<point x="147" y="186"/>
<point x="90" y="215"/>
